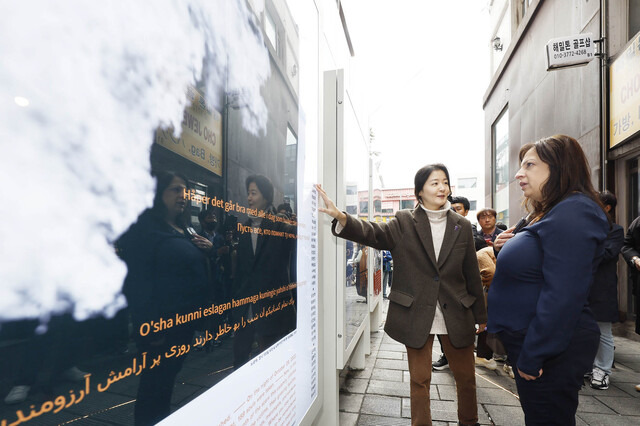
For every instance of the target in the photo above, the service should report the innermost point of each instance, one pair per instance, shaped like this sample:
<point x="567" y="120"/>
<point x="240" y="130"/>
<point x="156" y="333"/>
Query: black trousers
<point x="153" y="400"/>
<point x="552" y="399"/>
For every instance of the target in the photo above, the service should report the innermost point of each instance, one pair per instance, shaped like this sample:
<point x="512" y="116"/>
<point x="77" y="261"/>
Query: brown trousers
<point x="462" y="365"/>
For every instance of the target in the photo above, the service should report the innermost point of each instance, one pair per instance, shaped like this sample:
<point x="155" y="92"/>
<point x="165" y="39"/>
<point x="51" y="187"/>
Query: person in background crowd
<point x="216" y="292"/>
<point x="285" y="210"/>
<point x="461" y="206"/>
<point x="437" y="288"/>
<point x="538" y="298"/>
<point x="487" y="235"/>
<point x="490" y="348"/>
<point x="488" y="229"/>
<point x="209" y="229"/>
<point x="209" y="225"/>
<point x="631" y="254"/>
<point x="387" y="266"/>
<point x="603" y="296"/>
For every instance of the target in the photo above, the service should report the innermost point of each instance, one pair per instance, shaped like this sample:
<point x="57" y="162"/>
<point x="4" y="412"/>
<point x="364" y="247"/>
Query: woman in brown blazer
<point x="436" y="288"/>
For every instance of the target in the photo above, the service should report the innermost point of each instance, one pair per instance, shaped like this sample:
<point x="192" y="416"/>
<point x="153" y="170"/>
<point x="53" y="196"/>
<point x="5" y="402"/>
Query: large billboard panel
<point x="168" y="272"/>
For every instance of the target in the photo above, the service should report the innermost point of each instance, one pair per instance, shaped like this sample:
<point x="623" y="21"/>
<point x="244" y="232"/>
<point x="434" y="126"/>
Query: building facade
<point x="597" y="103"/>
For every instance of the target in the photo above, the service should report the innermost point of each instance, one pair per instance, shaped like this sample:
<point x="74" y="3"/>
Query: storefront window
<point x="407" y="204"/>
<point x="356" y="173"/>
<point x="500" y="139"/>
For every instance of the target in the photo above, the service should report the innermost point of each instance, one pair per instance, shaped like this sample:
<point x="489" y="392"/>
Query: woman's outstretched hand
<point x="330" y="208"/>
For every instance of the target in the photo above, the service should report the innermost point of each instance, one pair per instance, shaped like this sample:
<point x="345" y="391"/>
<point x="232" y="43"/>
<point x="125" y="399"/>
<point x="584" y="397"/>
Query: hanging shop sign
<point x="570" y="51"/>
<point x="624" y="96"/>
<point x="201" y="137"/>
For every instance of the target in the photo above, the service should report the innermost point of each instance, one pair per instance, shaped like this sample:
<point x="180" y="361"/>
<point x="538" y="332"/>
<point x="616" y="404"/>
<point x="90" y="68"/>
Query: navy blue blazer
<point x="543" y="276"/>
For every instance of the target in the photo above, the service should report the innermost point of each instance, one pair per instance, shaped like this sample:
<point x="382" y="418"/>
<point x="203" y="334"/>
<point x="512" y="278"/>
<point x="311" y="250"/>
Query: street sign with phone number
<point x="570" y="51"/>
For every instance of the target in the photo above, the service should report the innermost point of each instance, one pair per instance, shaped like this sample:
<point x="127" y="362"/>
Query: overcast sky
<point x="422" y="67"/>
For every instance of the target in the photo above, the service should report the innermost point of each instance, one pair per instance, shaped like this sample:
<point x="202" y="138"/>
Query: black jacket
<point x="631" y="248"/>
<point x="631" y="245"/>
<point x="603" y="296"/>
<point x="265" y="270"/>
<point x="167" y="273"/>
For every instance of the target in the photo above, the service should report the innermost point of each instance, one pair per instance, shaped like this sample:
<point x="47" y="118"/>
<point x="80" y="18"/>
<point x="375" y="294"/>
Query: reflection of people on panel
<point x="538" y="298"/>
<point x="436" y="289"/>
<point x="359" y="263"/>
<point x="263" y="259"/>
<point x="387" y="267"/>
<point x="167" y="276"/>
<point x="350" y="269"/>
<point x="209" y="229"/>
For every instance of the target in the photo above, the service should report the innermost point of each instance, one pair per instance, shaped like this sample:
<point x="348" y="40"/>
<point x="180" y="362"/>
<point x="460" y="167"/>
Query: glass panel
<point x="356" y="174"/>
<point x="160" y="278"/>
<point x="501" y="167"/>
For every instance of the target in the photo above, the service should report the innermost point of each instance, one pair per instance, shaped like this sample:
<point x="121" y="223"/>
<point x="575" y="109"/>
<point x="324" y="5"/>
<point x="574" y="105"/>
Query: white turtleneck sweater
<point x="438" y="222"/>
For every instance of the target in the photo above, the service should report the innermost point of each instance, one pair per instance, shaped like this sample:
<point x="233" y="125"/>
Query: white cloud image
<point x="83" y="86"/>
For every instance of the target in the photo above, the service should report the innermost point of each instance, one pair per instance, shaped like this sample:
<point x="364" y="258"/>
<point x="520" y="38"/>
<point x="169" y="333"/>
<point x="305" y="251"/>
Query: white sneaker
<point x="489" y="364"/>
<point x="509" y="370"/>
<point x="17" y="395"/>
<point x="599" y="379"/>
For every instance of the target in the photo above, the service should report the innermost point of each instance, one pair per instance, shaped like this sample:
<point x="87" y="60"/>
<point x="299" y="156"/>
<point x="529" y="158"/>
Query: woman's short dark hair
<point x="461" y="200"/>
<point x="569" y="172"/>
<point x="264" y="185"/>
<point x="423" y="174"/>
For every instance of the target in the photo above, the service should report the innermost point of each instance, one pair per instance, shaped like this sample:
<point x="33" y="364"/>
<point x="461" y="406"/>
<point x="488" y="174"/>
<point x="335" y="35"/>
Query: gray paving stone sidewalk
<point x="379" y="394"/>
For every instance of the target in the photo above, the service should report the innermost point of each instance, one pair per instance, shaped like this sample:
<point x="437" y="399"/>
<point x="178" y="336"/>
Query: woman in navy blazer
<point x="538" y="298"/>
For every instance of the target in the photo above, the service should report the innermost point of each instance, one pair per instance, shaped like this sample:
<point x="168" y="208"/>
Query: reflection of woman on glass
<point x="436" y="290"/>
<point x="263" y="264"/>
<point x="167" y="276"/>
<point x="538" y="297"/>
